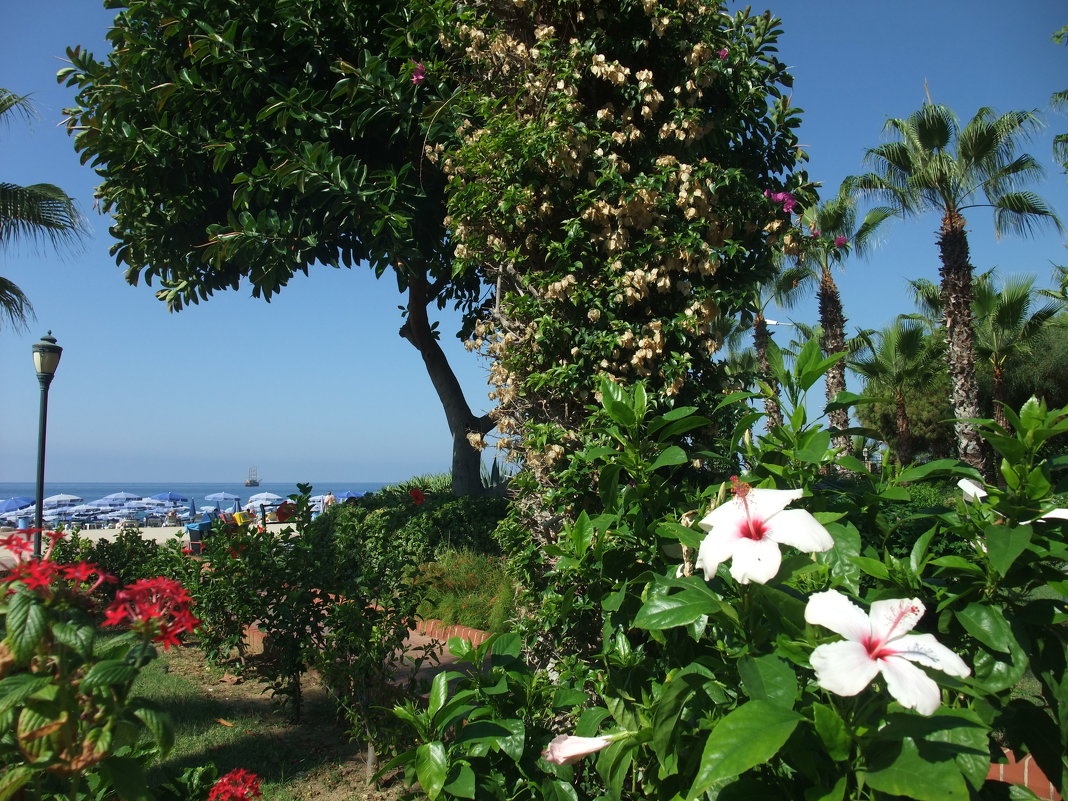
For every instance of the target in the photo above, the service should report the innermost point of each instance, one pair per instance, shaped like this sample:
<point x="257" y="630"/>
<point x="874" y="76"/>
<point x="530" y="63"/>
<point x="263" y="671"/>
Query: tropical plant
<point x="35" y="212"/>
<point x="1008" y="327"/>
<point x="935" y="165"/>
<point x="239" y="147"/>
<point x="899" y="359"/>
<point x="832" y="233"/>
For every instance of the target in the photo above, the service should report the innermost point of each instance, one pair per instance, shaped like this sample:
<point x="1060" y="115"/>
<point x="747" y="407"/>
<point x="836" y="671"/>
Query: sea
<point x="91" y="490"/>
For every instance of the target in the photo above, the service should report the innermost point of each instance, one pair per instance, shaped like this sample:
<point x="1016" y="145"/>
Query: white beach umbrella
<point x="264" y="498"/>
<point x="61" y="500"/>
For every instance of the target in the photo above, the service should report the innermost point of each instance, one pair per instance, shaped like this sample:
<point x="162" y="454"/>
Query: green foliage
<point x="468" y="589"/>
<point x="128" y="557"/>
<point x="69" y="721"/>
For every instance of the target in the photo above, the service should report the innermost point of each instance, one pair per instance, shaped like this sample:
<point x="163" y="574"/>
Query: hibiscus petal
<point x="836" y="612"/>
<point x="929" y="652"/>
<point x="716" y="547"/>
<point x="895" y="618"/>
<point x="767" y="502"/>
<point x="800" y="529"/>
<point x="755" y="560"/>
<point x="843" y="668"/>
<point x="912" y="688"/>
<point x="728" y="515"/>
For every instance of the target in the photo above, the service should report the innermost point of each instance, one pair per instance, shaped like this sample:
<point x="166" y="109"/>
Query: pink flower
<point x="722" y="54"/>
<point x="787" y="200"/>
<point x="419" y="73"/>
<point x="566" y="749"/>
<point x="839" y="241"/>
<point x="879" y="643"/>
<point x="749" y="528"/>
<point x="815" y="233"/>
<point x="417" y="495"/>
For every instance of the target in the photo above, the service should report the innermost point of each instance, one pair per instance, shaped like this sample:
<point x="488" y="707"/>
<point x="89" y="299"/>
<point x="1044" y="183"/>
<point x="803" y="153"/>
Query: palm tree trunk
<point x="904" y="434"/>
<point x="999" y="397"/>
<point x="466" y="461"/>
<point x="833" y="321"/>
<point x="956" y="273"/>
<point x="772" y="409"/>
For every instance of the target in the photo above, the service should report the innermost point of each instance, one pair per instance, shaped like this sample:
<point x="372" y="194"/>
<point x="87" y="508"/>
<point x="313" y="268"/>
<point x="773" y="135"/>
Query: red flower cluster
<point x="417" y="496"/>
<point x="237" y="785"/>
<point x="158" y="607"/>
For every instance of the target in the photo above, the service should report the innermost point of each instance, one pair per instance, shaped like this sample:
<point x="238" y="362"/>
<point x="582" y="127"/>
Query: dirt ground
<point x="326" y="765"/>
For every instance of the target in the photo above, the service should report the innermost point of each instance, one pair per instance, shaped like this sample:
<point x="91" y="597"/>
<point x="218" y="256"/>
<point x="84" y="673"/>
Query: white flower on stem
<point x="749" y="528"/>
<point x="879" y="643"/>
<point x="566" y="748"/>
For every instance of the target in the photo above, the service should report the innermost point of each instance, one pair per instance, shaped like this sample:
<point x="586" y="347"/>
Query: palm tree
<point x="899" y="359"/>
<point x="1007" y="327"/>
<point x="832" y="233"/>
<point x="937" y="166"/>
<point x="36" y="212"/>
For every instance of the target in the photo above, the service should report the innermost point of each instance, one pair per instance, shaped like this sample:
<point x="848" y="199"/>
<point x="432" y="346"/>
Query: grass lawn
<point x="235" y="724"/>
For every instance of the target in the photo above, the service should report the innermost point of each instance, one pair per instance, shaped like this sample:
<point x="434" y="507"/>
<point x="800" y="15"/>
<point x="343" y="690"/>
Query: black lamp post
<point x="46" y="355"/>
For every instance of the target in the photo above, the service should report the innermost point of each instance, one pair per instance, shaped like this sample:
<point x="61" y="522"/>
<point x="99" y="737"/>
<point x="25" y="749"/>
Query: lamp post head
<point x="46" y="355"/>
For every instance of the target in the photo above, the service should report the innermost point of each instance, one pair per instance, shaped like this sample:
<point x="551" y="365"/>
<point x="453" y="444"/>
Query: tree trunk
<point x="466" y="460"/>
<point x="956" y="272"/>
<point x="999" y="397"/>
<point x="771" y="401"/>
<point x="904" y="433"/>
<point x="833" y="322"/>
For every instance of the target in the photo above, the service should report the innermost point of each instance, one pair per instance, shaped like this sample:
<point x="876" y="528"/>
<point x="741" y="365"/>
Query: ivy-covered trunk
<point x="999" y="396"/>
<point x="904" y="432"/>
<point x="956" y="272"/>
<point x="466" y="458"/>
<point x="833" y="321"/>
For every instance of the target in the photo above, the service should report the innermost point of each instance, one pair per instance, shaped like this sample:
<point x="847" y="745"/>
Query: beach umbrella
<point x="221" y="496"/>
<point x="173" y="497"/>
<point x="14" y="504"/>
<point x="350" y="494"/>
<point x="83" y="509"/>
<point x="264" y="498"/>
<point x="61" y="500"/>
<point x="119" y="498"/>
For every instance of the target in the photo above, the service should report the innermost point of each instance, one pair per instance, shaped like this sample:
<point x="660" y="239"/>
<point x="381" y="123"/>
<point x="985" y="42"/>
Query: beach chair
<point x="198" y="532"/>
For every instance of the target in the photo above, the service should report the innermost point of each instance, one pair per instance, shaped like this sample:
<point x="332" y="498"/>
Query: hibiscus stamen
<point x="752" y="528"/>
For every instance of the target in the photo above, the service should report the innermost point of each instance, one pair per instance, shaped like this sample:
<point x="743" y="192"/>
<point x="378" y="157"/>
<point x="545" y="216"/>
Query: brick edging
<point x="438" y="629"/>
<point x="1024" y="771"/>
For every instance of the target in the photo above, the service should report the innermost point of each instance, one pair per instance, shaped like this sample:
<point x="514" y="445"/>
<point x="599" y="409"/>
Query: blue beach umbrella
<point x="350" y="494"/>
<point x="173" y="497"/>
<point x="119" y="498"/>
<point x="13" y="504"/>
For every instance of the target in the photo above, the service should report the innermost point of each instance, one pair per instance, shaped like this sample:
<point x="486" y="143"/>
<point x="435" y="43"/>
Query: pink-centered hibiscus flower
<point x="879" y="643"/>
<point x="749" y="528"/>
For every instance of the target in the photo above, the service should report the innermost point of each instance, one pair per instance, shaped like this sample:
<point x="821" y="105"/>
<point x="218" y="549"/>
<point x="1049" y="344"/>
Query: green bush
<point x="468" y="589"/>
<point x="127" y="556"/>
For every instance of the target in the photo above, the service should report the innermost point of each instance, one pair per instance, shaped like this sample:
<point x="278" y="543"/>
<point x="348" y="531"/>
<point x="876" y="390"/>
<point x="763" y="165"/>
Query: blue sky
<point x="317" y="386"/>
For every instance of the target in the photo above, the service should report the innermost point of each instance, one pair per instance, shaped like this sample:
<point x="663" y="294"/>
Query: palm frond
<point x="11" y="102"/>
<point x="40" y="211"/>
<point x="1022" y="212"/>
<point x="14" y="305"/>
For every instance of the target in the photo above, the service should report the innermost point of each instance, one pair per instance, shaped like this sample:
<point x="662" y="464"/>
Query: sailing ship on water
<point x="253" y="479"/>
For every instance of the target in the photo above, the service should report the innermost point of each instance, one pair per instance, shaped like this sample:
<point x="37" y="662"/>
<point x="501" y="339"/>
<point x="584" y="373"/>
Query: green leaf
<point x="677" y="609"/>
<point x="159" y="724"/>
<point x="951" y="466"/>
<point x="898" y="769"/>
<point x="127" y="777"/>
<point x="1005" y="544"/>
<point x="461" y="781"/>
<point x="17" y="688"/>
<point x="676" y="692"/>
<point x="669" y="456"/>
<point x="13" y="778"/>
<point x="813" y="446"/>
<point x="832" y="731"/>
<point x="769" y="678"/>
<point x="26" y="624"/>
<point x="108" y="672"/>
<point x="614" y="762"/>
<point x="431" y="765"/>
<point x="749" y="736"/>
<point x="515" y="742"/>
<point x="988" y="625"/>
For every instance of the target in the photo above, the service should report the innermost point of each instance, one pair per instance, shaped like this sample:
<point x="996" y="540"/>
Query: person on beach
<point x="329" y="500"/>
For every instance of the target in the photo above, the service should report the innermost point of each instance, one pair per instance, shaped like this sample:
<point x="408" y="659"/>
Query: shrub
<point x="469" y="589"/>
<point x="128" y="556"/>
